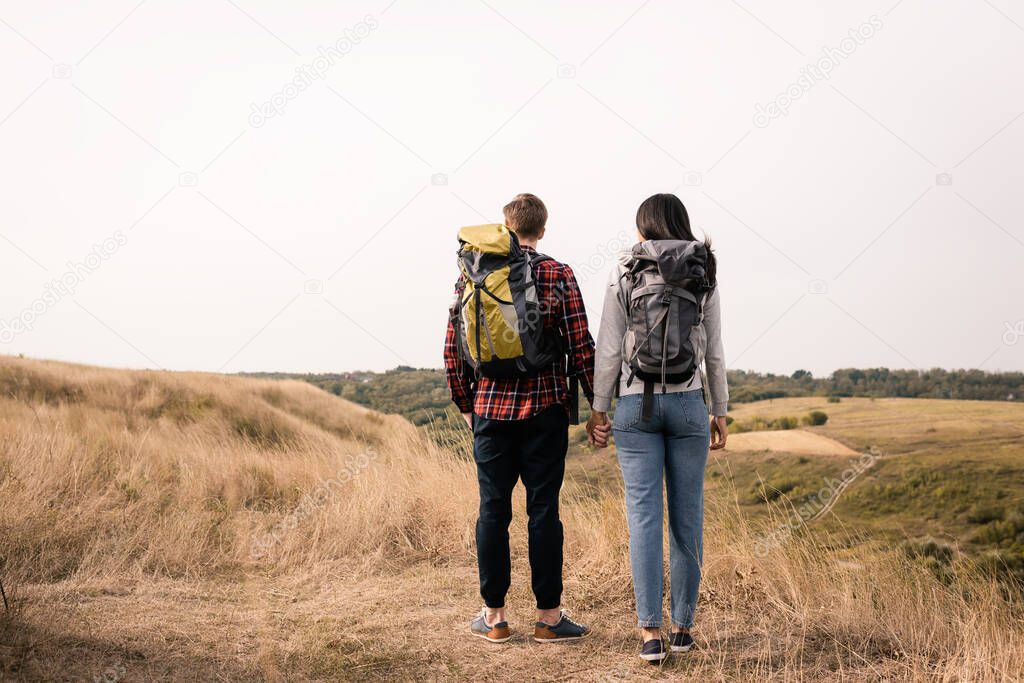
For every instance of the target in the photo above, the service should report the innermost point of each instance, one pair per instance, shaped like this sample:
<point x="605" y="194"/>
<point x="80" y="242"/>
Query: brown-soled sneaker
<point x="498" y="633"/>
<point x="565" y="630"/>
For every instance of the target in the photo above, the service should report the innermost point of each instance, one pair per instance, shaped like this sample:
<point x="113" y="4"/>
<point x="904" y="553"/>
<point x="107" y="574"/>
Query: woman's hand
<point x="598" y="429"/>
<point x="719" y="432"/>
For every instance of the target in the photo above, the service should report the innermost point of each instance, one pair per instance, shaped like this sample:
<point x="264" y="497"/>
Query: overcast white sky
<point x="319" y="238"/>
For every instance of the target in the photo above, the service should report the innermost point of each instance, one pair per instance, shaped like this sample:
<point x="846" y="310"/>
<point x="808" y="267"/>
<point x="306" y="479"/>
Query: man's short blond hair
<point x="526" y="215"/>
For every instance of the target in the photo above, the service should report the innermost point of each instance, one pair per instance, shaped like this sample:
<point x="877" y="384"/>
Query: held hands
<point x="598" y="429"/>
<point x="719" y="432"/>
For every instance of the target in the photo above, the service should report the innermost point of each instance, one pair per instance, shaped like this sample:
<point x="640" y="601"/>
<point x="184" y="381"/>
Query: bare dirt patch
<point x="788" y="441"/>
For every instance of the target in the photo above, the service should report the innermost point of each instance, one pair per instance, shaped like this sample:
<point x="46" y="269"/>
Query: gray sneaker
<point x="497" y="633"/>
<point x="565" y="630"/>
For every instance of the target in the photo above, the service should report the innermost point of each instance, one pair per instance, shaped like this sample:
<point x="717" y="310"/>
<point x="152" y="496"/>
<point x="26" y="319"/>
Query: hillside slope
<point x="166" y="526"/>
<point x="948" y="470"/>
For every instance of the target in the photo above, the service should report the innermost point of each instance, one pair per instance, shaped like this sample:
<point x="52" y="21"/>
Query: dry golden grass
<point x="163" y="526"/>
<point x="899" y="425"/>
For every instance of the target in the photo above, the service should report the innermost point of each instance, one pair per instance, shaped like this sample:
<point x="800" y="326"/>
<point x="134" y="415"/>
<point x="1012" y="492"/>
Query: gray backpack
<point x="666" y="287"/>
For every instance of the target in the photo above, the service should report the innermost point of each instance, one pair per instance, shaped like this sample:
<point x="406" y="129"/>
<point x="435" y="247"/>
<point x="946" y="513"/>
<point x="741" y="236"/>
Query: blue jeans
<point x="672" y="445"/>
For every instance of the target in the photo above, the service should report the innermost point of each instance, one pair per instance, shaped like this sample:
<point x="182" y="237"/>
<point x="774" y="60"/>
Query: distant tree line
<point x="420" y="394"/>
<point x="879" y="382"/>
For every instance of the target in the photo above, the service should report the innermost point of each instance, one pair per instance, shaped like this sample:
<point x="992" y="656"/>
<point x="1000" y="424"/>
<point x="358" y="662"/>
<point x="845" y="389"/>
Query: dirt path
<point x="408" y="625"/>
<point x="412" y="626"/>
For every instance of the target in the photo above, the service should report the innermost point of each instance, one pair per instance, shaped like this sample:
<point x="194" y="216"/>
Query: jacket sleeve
<point x="458" y="372"/>
<point x="608" y="366"/>
<point x="714" y="358"/>
<point x="576" y="332"/>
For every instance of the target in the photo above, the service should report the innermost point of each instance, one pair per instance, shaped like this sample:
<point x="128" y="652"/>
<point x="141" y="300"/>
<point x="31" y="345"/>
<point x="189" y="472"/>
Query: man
<point x="520" y="429"/>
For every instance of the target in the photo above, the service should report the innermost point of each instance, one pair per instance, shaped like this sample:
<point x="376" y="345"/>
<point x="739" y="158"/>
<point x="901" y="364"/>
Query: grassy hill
<point x="165" y="526"/>
<point x="419" y="395"/>
<point x="951" y="472"/>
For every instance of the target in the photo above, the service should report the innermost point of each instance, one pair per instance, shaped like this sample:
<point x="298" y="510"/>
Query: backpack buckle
<point x="666" y="298"/>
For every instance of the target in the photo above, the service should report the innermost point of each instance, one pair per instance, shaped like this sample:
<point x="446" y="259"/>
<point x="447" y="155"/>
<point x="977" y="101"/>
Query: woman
<point x="664" y="434"/>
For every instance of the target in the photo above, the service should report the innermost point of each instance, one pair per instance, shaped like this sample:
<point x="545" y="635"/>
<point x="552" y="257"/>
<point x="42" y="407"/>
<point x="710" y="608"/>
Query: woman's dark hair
<point x="663" y="217"/>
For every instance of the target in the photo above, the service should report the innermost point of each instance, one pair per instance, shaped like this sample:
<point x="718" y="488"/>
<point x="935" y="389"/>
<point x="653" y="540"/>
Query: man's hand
<point x="598" y="429"/>
<point x="719" y="432"/>
<point x="468" y="417"/>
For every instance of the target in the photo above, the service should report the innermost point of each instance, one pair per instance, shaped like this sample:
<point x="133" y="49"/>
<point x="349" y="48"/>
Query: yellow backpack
<point x="497" y="315"/>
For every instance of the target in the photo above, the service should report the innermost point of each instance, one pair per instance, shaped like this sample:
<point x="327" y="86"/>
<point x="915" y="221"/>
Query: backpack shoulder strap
<point x="538" y="257"/>
<point x="457" y="296"/>
<point x="624" y="285"/>
<point x="702" y="301"/>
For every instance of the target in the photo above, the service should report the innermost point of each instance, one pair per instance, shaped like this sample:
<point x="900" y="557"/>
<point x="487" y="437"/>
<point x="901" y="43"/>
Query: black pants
<point x="506" y="450"/>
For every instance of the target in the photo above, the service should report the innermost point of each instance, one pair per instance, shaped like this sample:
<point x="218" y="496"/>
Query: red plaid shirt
<point x="519" y="399"/>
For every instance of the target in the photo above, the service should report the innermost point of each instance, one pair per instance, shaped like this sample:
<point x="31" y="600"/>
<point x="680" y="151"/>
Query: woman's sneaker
<point x="681" y="642"/>
<point x="566" y="629"/>
<point x="653" y="651"/>
<point x="498" y="633"/>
